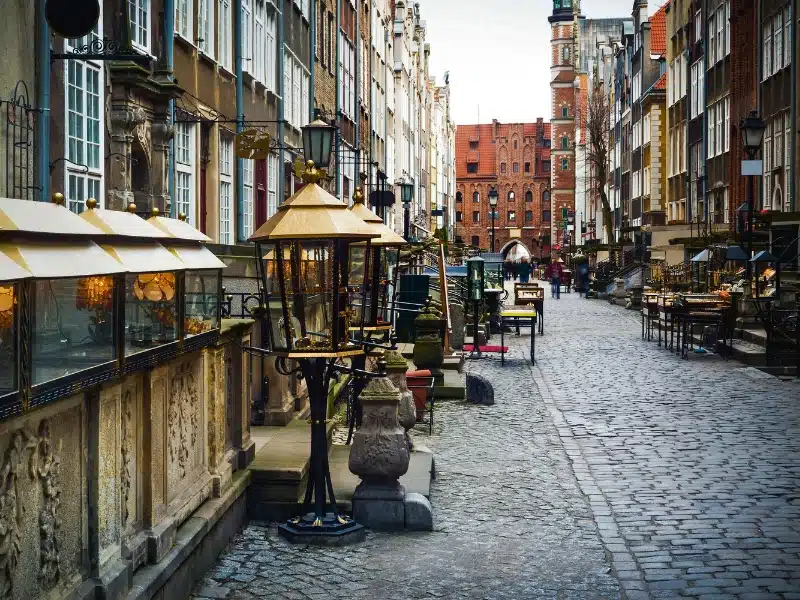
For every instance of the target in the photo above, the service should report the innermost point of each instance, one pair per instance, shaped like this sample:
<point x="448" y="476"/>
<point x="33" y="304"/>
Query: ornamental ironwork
<point x="103" y="49"/>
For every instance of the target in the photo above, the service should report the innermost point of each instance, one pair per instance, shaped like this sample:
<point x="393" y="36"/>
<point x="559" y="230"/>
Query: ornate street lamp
<point x="475" y="286"/>
<point x="303" y="258"/>
<point x="318" y="141"/>
<point x="752" y="128"/>
<point x="407" y="195"/>
<point x="493" y="196"/>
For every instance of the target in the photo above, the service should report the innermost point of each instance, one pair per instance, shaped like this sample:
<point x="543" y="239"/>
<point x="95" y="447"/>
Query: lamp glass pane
<point x="201" y="302"/>
<point x="73" y="326"/>
<point x="151" y="310"/>
<point x="9" y="294"/>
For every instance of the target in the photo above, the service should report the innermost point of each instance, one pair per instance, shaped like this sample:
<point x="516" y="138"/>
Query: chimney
<point x="495" y="126"/>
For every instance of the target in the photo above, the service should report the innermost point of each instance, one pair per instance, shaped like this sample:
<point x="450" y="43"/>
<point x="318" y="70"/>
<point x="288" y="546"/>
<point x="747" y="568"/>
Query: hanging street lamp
<point x="303" y="260"/>
<point x="752" y="128"/>
<point x="407" y="195"/>
<point x="493" y="196"/>
<point x="475" y="287"/>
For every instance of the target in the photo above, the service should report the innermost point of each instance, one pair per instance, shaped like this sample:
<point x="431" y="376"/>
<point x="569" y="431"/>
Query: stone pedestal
<point x="396" y="367"/>
<point x="379" y="456"/>
<point x="428" y="347"/>
<point x="457" y="325"/>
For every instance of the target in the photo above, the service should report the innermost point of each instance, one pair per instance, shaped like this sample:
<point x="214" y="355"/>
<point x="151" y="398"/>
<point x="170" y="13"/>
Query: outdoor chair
<point x="421" y="385"/>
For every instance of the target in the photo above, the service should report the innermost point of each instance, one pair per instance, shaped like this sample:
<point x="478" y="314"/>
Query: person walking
<point x="554" y="272"/>
<point x="583" y="278"/>
<point x="524" y="270"/>
<point x="508" y="268"/>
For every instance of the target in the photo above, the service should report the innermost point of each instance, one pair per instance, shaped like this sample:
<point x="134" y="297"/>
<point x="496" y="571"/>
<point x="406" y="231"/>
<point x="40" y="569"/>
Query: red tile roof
<point x="658" y="31"/>
<point x="564" y="77"/>
<point x="661" y="84"/>
<point x="486" y="150"/>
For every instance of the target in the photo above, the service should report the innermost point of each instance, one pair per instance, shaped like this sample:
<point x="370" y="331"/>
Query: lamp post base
<point x="331" y="530"/>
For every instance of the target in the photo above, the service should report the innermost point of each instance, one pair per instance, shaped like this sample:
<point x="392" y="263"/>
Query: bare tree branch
<point x="598" y="126"/>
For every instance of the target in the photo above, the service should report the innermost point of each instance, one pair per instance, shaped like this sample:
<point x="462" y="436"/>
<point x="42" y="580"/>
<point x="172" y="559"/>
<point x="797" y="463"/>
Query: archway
<point x="515" y="250"/>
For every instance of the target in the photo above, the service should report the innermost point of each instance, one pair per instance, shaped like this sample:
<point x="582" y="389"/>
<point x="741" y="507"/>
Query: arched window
<point x="546" y="196"/>
<point x="459" y="196"/>
<point x="528" y="196"/>
<point x="510" y="196"/>
<point x="476" y="197"/>
<point x="566" y="54"/>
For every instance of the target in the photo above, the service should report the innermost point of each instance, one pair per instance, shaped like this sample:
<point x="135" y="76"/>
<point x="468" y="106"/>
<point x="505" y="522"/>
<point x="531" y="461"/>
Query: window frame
<point x="205" y="27"/>
<point x="185" y="165"/>
<point x="139" y="27"/>
<point x="184" y="26"/>
<point x="225" y="35"/>
<point x="226" y="209"/>
<point x="564" y="163"/>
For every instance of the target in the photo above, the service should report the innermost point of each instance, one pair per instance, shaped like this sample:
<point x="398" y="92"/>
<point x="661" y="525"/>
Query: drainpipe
<point x="371" y="111"/>
<point x="237" y="56"/>
<point x="281" y="111"/>
<point x="312" y="34"/>
<point x="356" y="66"/>
<point x="43" y="100"/>
<point x="686" y="146"/>
<point x="704" y="137"/>
<point x="793" y="116"/>
<point x="169" y="51"/>
<point x="338" y="99"/>
<point x="759" y="189"/>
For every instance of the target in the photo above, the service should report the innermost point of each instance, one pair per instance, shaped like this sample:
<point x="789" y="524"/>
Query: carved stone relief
<point x="34" y="449"/>
<point x="182" y="417"/>
<point x="128" y="452"/>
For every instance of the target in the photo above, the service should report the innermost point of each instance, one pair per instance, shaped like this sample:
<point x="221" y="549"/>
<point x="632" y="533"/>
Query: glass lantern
<point x="475" y="278"/>
<point x="201" y="303"/>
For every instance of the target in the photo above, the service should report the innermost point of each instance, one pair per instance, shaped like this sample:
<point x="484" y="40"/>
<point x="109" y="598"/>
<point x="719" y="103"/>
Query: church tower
<point x="564" y="103"/>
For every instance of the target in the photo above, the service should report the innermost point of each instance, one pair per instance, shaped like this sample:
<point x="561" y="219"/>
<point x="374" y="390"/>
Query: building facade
<point x="514" y="160"/>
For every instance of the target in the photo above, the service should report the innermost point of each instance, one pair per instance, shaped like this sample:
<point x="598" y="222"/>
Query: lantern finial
<point x="91" y="203"/>
<point x="58" y="198"/>
<point x="358" y="195"/>
<point x="311" y="174"/>
<point x="131" y="208"/>
<point x="181" y="216"/>
<point x="155" y="212"/>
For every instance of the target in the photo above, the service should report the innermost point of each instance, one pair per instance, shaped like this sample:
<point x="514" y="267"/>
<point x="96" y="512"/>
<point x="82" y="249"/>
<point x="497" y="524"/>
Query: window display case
<point x="85" y="298"/>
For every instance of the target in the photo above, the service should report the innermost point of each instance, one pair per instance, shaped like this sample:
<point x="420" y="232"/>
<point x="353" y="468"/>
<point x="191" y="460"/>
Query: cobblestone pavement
<point x="692" y="468"/>
<point x="610" y="470"/>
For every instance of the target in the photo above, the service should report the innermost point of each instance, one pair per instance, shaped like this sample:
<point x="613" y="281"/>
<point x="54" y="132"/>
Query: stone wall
<point x="96" y="487"/>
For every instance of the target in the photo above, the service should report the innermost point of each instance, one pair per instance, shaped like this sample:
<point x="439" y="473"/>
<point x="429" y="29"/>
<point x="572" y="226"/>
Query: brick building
<point x="514" y="159"/>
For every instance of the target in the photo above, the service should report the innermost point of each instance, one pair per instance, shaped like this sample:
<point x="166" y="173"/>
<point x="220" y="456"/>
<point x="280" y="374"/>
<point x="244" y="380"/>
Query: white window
<point x="777" y="26"/>
<point x="139" y="11"/>
<point x="271" y="47"/>
<point x="205" y="26"/>
<point x="635" y="192"/>
<point x="247" y="204"/>
<point x="777" y="140"/>
<point x="720" y="33"/>
<point x="225" y="189"/>
<point x="711" y="132"/>
<point x="697" y="97"/>
<point x="183" y="19"/>
<point x="303" y="6"/>
<point x="346" y="76"/>
<point x="768" y="148"/>
<point x="225" y="34"/>
<point x="787" y="35"/>
<point x="84" y="140"/>
<point x="671" y="84"/>
<point x="287" y="87"/>
<point x="184" y="169"/>
<point x="247" y="37"/>
<point x="698" y="26"/>
<point x="767" y="51"/>
<point x="259" y="42"/>
<point x="727" y="127"/>
<point x="646" y="129"/>
<point x="712" y="46"/>
<point x="727" y="34"/>
<point x="720" y="131"/>
<point x="297" y="93"/>
<point x="682" y="76"/>
<point x="682" y="148"/>
<point x="305" y="115"/>
<point x="646" y="181"/>
<point x="637" y="86"/>
<point x="272" y="185"/>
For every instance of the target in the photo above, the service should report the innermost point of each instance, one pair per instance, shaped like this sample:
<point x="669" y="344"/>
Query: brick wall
<point x="744" y="35"/>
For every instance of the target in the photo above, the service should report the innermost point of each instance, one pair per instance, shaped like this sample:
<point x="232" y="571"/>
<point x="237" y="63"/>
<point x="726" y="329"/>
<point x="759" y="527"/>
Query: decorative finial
<point x="363" y="177"/>
<point x="181" y="216"/>
<point x="358" y="195"/>
<point x="311" y="175"/>
<point x="91" y="204"/>
<point x="131" y="208"/>
<point x="382" y="366"/>
<point x="155" y="212"/>
<point x="58" y="198"/>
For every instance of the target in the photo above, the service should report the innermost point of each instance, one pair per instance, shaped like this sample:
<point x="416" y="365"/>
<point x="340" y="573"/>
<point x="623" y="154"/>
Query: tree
<point x="599" y="116"/>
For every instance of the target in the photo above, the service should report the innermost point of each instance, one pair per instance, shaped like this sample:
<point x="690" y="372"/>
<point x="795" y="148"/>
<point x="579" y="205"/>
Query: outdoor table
<point x="518" y="318"/>
<point x="698" y="309"/>
<point x="649" y="313"/>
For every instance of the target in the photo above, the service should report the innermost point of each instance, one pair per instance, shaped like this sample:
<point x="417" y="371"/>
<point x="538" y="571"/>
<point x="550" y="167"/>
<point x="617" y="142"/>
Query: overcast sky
<point x="498" y="53"/>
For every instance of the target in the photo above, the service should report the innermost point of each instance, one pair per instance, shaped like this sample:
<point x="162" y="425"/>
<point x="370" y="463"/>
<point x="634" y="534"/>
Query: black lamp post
<point x="752" y="128"/>
<point x="475" y="287"/>
<point x="407" y="194"/>
<point x="303" y="260"/>
<point x="493" y="196"/>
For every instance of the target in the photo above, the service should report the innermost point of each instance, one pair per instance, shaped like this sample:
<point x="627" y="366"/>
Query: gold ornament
<point x="7" y="302"/>
<point x="94" y="293"/>
<point x="154" y="287"/>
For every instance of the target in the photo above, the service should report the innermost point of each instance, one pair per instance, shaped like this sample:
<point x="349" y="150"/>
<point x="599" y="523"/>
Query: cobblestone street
<point x="611" y="470"/>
